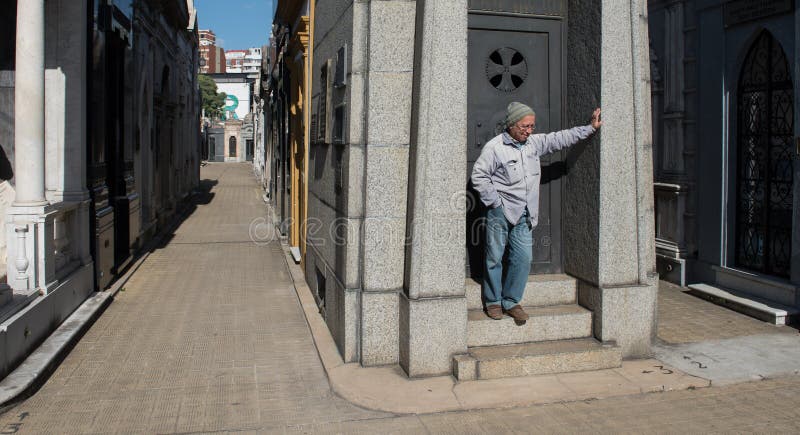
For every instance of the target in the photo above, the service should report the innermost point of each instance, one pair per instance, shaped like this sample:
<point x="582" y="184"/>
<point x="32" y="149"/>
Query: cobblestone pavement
<point x="208" y="336"/>
<point x="683" y="318"/>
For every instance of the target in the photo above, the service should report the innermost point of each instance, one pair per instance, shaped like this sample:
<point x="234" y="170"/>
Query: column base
<point x="431" y="332"/>
<point x="624" y="314"/>
<point x="45" y="244"/>
<point x="29" y="239"/>
<point x="379" y="328"/>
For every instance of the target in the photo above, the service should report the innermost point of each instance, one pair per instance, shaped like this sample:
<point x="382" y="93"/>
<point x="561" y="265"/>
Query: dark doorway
<point x="513" y="58"/>
<point x="765" y="170"/>
<point x="232" y="147"/>
<point x="118" y="163"/>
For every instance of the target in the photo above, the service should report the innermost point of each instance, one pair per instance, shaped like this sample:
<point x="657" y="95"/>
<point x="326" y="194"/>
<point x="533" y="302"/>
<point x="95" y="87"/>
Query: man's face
<point x="523" y="128"/>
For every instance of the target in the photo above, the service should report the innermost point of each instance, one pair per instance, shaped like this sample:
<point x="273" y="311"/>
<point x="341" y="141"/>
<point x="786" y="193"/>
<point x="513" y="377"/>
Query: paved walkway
<point x="209" y="336"/>
<point x="721" y="345"/>
<point x="683" y="318"/>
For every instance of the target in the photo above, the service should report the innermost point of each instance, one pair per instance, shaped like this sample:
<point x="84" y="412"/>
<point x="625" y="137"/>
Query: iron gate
<point x="765" y="169"/>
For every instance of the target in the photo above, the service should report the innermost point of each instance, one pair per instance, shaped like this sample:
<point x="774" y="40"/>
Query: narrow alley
<point x="208" y="336"/>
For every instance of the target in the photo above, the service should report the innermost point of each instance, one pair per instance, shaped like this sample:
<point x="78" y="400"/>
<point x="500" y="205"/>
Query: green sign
<point x="233" y="103"/>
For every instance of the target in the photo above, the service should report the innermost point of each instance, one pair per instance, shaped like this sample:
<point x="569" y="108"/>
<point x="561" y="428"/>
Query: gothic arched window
<point x="765" y="168"/>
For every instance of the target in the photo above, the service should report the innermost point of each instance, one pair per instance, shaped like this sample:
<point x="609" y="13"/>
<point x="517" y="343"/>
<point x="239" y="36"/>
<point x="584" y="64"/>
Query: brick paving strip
<point x="209" y="337"/>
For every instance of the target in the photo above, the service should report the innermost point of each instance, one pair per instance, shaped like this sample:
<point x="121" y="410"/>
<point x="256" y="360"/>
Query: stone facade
<point x="164" y="138"/>
<point x="699" y="55"/>
<point x="387" y="163"/>
<point x="90" y="171"/>
<point x="46" y="213"/>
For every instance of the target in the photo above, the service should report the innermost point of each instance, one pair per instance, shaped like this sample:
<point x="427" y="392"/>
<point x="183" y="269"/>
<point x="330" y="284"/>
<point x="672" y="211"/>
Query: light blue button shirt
<point x="508" y="173"/>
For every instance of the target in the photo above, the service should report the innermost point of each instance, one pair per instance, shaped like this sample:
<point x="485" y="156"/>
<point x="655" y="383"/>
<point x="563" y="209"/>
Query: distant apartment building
<point x="234" y="60"/>
<point x="243" y="61"/>
<point x="212" y="55"/>
<point x="252" y="60"/>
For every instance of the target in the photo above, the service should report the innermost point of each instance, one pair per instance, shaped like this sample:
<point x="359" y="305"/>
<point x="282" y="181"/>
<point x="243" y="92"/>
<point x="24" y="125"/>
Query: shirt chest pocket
<point x="512" y="169"/>
<point x="534" y="167"/>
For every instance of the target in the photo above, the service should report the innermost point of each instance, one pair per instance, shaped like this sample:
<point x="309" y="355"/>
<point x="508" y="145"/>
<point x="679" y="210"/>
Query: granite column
<point x="433" y="309"/>
<point x="388" y="70"/>
<point x="609" y="229"/>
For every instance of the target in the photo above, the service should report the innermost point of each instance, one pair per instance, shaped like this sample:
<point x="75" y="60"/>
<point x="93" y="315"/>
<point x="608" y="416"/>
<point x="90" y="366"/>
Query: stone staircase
<point x="556" y="339"/>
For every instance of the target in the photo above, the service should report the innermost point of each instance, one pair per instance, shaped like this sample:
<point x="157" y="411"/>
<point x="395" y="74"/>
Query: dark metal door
<point x="515" y="59"/>
<point x="116" y="57"/>
<point x="765" y="169"/>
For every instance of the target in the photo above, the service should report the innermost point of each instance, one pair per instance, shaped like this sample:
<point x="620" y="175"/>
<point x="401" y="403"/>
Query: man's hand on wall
<point x="596" y="122"/>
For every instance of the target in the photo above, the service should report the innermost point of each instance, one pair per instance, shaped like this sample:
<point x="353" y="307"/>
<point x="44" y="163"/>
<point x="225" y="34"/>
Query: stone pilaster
<point x="388" y="70"/>
<point x="611" y="187"/>
<point x="433" y="309"/>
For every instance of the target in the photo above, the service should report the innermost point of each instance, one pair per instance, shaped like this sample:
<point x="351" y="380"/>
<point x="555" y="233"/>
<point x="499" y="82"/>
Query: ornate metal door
<point x="765" y="168"/>
<point x="515" y="59"/>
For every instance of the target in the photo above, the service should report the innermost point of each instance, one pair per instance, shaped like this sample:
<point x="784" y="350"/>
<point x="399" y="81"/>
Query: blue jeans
<point x="499" y="233"/>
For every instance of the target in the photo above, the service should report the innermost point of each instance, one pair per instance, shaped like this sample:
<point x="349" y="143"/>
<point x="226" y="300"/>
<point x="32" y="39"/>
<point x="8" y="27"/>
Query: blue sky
<point x="238" y="24"/>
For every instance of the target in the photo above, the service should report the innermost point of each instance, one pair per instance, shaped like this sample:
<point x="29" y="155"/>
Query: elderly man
<point x="507" y="176"/>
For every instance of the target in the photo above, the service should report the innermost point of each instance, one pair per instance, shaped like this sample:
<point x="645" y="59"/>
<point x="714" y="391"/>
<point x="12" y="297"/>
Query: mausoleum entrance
<point x="515" y="58"/>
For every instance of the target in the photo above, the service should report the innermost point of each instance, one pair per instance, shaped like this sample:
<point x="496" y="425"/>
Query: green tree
<point x="213" y="101"/>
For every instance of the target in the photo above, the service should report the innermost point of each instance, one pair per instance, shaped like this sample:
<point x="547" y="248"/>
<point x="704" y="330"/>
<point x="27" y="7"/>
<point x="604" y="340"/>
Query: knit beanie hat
<point x="517" y="111"/>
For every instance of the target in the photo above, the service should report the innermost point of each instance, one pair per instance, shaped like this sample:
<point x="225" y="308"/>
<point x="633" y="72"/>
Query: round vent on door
<point x="506" y="69"/>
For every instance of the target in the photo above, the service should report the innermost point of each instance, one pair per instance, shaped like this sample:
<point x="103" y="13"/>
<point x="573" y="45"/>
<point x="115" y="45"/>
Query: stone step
<point x="541" y="290"/>
<point x="758" y="286"/>
<point x="762" y="309"/>
<point x="557" y="322"/>
<point x="527" y="359"/>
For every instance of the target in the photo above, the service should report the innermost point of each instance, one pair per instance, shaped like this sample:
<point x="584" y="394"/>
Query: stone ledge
<point x="38" y="365"/>
<point x="759" y="286"/>
<point x="761" y="309"/>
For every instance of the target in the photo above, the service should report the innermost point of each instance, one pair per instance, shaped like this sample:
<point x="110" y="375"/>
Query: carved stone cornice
<point x="300" y="37"/>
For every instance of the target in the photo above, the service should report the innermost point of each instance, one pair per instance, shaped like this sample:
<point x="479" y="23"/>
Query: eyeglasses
<point x="530" y="127"/>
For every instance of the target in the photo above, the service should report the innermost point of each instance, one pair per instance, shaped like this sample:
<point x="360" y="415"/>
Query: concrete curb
<point x="37" y="367"/>
<point x="388" y="389"/>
